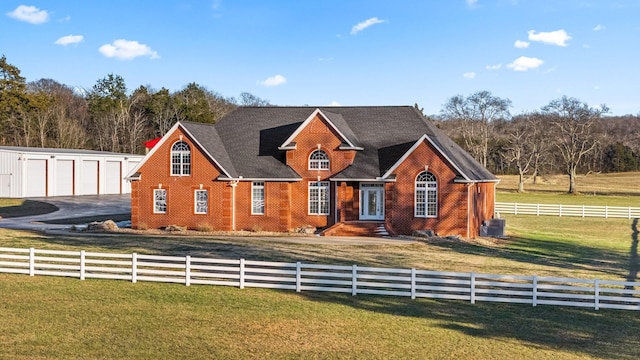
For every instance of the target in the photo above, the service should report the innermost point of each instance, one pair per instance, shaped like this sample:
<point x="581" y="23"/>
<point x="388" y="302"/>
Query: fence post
<point x="473" y="288"/>
<point x="32" y="261"/>
<point x="560" y="209"/>
<point x="515" y="208"/>
<point x="354" y="279"/>
<point x="298" y="276"/>
<point x="596" y="294"/>
<point x="534" y="300"/>
<point x="82" y="264"/>
<point x="537" y="209"/>
<point x="413" y="283"/>
<point x="134" y="267"/>
<point x="629" y="212"/>
<point x="187" y="270"/>
<point x="582" y="210"/>
<point x="606" y="211"/>
<point x="241" y="273"/>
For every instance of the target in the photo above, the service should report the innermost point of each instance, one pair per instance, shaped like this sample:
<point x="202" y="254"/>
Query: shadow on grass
<point x="551" y="253"/>
<point x="28" y="208"/>
<point x="208" y="247"/>
<point x="609" y="334"/>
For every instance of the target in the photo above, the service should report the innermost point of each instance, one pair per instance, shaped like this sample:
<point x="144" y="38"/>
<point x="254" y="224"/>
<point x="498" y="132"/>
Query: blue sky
<point x="346" y="52"/>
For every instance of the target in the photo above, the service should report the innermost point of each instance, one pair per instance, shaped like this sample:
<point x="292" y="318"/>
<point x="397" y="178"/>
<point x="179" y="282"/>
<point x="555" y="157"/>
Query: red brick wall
<point x="452" y="208"/>
<point x="156" y="173"/>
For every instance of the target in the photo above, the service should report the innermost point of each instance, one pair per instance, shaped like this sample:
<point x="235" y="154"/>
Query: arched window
<point x="426" y="195"/>
<point x="318" y="160"/>
<point x="180" y="159"/>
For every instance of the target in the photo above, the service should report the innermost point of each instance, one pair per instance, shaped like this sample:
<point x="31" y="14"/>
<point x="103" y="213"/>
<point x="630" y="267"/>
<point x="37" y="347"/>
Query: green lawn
<point x="62" y="318"/>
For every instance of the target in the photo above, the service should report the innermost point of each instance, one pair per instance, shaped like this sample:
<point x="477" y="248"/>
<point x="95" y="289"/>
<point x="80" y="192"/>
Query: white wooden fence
<point x="187" y="270"/>
<point x="568" y="210"/>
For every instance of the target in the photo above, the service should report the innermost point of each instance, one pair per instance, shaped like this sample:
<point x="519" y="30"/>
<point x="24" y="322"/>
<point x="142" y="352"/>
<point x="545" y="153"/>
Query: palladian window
<point x="426" y="195"/>
<point x="180" y="159"/>
<point x="318" y="160"/>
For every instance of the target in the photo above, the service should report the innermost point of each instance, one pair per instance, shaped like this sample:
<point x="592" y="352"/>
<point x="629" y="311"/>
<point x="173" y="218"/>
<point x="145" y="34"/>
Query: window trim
<point x="257" y="185"/>
<point x="184" y="157"/>
<point x="323" y="197"/>
<point x="195" y="201"/>
<point x="319" y="160"/>
<point x="429" y="188"/>
<point x="155" y="201"/>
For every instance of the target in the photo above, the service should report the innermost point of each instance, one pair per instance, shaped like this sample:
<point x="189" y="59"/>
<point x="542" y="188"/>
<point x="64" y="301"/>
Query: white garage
<point x="41" y="172"/>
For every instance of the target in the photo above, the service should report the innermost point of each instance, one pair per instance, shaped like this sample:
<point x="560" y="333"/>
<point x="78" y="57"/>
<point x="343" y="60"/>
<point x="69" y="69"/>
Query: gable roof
<point x="335" y="121"/>
<point x="251" y="142"/>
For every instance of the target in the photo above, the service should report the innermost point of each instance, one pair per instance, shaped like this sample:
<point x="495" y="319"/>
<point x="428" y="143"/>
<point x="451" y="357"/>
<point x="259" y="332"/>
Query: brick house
<point x="344" y="170"/>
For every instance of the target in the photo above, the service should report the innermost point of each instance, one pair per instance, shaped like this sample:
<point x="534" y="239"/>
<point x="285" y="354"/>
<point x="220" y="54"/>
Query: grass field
<point x="621" y="184"/>
<point x="54" y="318"/>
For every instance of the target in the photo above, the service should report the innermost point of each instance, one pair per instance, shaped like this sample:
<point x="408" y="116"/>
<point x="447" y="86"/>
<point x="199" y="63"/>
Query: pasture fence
<point x="568" y="210"/>
<point x="351" y="279"/>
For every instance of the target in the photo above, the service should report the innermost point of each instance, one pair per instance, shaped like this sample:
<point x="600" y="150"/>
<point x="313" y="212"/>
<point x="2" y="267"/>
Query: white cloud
<point x="365" y="24"/>
<point x="126" y="50"/>
<point x="599" y="27"/>
<point x="524" y="63"/>
<point x="558" y="37"/>
<point x="30" y="14"/>
<point x="469" y="75"/>
<point x="521" y="44"/>
<point x="471" y="3"/>
<point x="493" y="67"/>
<point x="271" y="81"/>
<point x="334" y="103"/>
<point x="69" y="39"/>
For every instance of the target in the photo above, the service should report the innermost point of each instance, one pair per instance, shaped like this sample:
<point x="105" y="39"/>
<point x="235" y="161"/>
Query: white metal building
<point x="39" y="172"/>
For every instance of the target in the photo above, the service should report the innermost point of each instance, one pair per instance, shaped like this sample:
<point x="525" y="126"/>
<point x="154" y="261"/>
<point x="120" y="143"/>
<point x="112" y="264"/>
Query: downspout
<point x="233" y="185"/>
<point x="469" y="204"/>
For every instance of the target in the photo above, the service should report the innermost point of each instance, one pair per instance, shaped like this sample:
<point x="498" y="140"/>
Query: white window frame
<point x="257" y="202"/>
<point x="318" y="197"/>
<point x="319" y="160"/>
<point x="159" y="201"/>
<point x="426" y="196"/>
<point x="180" y="159"/>
<point x="198" y="203"/>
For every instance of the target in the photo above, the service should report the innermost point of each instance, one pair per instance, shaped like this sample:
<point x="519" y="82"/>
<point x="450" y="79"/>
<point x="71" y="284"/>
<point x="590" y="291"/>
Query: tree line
<point x="46" y="113"/>
<point x="564" y="136"/>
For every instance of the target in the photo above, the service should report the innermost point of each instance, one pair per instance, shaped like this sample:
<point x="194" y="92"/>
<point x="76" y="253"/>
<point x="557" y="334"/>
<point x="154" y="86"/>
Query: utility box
<point x="493" y="228"/>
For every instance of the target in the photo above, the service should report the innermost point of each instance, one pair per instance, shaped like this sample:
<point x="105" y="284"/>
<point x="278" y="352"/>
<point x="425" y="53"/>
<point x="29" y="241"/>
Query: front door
<point x="371" y="201"/>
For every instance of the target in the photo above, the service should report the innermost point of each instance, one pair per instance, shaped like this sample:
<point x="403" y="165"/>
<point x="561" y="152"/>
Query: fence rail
<point x="413" y="283"/>
<point x="568" y="210"/>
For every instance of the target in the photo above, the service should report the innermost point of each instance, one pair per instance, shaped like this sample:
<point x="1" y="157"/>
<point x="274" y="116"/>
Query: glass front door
<point x="371" y="202"/>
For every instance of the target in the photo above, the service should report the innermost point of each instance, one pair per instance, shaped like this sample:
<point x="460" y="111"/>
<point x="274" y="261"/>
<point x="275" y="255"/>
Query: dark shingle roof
<point x="246" y="141"/>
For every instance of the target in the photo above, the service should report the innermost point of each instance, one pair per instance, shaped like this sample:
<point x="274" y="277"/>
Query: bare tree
<point x="477" y="113"/>
<point x="521" y="148"/>
<point x="573" y="122"/>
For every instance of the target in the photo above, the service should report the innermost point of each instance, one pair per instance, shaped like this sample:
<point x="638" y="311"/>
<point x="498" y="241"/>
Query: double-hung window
<point x="257" y="198"/>
<point x="426" y="195"/>
<point x="180" y="159"/>
<point x="319" y="198"/>
<point x="159" y="201"/>
<point x="201" y="202"/>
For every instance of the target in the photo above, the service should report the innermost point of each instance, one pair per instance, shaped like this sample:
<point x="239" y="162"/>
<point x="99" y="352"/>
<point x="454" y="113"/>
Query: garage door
<point x="89" y="177"/>
<point x="36" y="180"/>
<point x="113" y="177"/>
<point x="64" y="178"/>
